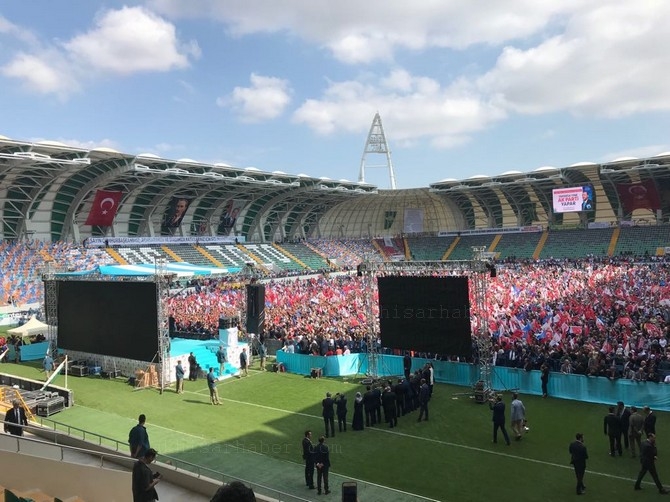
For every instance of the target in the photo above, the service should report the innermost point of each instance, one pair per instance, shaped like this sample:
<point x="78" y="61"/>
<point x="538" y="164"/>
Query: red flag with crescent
<point x="641" y="195"/>
<point x="104" y="208"/>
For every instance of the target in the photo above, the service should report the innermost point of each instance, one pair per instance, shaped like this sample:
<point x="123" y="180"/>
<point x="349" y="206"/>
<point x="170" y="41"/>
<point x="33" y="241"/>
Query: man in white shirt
<point x="518" y="415"/>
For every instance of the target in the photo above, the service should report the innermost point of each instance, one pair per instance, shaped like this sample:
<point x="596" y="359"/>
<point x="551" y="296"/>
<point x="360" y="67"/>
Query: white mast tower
<point x="376" y="143"/>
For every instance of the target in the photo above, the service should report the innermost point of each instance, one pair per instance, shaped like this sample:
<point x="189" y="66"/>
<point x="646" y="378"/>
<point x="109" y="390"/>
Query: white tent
<point x="32" y="327"/>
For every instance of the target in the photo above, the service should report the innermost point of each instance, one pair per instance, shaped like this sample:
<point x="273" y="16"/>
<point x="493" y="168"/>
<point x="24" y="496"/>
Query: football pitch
<point x="256" y="436"/>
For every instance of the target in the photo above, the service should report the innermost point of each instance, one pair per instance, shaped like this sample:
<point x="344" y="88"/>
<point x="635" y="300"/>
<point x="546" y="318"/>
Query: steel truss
<point x="50" y="306"/>
<point x="478" y="270"/>
<point x="163" y="280"/>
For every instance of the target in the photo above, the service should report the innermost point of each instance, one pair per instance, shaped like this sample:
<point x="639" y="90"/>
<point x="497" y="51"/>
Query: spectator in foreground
<point x="138" y="438"/>
<point x="15" y="419"/>
<point x="235" y="491"/>
<point x="145" y="481"/>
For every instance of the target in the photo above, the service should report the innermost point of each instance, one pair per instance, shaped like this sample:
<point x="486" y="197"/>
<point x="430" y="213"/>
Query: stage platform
<point x="205" y="354"/>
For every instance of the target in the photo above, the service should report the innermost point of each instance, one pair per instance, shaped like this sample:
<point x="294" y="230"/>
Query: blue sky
<point x="463" y="88"/>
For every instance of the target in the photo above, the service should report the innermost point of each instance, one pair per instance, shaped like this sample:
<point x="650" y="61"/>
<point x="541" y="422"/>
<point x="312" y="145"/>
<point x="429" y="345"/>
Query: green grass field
<point x="256" y="436"/>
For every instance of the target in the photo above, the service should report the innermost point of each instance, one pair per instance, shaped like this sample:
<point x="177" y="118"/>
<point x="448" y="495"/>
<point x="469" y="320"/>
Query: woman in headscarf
<point x="357" y="422"/>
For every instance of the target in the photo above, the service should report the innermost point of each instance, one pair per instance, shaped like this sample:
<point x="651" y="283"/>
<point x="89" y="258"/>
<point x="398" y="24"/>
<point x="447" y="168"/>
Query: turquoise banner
<point x="575" y="387"/>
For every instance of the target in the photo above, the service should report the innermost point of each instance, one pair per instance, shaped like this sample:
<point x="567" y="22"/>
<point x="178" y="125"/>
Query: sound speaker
<point x="255" y="308"/>
<point x="349" y="491"/>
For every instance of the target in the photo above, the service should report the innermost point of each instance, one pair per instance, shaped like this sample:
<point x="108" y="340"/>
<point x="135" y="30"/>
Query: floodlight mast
<point x="376" y="143"/>
<point x="477" y="270"/>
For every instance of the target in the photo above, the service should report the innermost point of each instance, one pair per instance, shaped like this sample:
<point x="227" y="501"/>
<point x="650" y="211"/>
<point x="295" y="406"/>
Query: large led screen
<point x="573" y="200"/>
<point x="425" y="314"/>
<point x="117" y="319"/>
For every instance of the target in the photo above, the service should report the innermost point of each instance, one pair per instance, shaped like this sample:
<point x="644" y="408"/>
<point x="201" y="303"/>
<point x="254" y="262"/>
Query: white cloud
<point x="359" y="32"/>
<point x="265" y="99"/>
<point x="611" y="61"/>
<point x="12" y="30"/>
<point x="603" y="57"/>
<point x="45" y="74"/>
<point x="123" y="41"/>
<point x="129" y="40"/>
<point x="411" y="108"/>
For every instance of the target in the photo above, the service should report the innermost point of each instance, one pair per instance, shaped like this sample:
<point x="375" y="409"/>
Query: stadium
<point x="577" y="285"/>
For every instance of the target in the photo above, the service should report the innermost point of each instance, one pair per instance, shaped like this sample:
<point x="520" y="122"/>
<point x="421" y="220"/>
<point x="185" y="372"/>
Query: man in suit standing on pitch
<point x="322" y="462"/>
<point x="499" y="419"/>
<point x="308" y="457"/>
<point x="578" y="456"/>
<point x="329" y="414"/>
<point x="648" y="455"/>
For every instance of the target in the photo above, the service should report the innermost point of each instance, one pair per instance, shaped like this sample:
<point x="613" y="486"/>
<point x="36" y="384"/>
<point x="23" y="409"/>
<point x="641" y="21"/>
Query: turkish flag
<point x="104" y="208"/>
<point x="639" y="196"/>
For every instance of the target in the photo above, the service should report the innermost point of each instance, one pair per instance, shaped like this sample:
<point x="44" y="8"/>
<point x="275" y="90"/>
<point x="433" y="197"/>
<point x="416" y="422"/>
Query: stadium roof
<point x="48" y="188"/>
<point x="47" y="191"/>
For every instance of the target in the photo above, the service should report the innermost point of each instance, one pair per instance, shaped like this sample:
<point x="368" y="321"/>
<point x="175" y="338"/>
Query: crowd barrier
<point x="31" y="352"/>
<point x="575" y="387"/>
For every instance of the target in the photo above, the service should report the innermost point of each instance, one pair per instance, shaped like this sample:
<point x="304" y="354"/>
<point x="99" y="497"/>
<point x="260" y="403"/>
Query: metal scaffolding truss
<point x="50" y="303"/>
<point x="478" y="270"/>
<point x="163" y="280"/>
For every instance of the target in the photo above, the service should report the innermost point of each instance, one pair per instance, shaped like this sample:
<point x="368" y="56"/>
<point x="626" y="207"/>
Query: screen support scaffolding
<point x="163" y="279"/>
<point x="477" y="270"/>
<point x="51" y="308"/>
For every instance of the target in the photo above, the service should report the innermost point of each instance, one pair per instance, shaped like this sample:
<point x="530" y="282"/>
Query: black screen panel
<point x="117" y="319"/>
<point x="426" y="314"/>
<point x="255" y="308"/>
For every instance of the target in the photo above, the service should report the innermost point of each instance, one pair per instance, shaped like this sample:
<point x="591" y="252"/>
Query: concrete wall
<point x="61" y="479"/>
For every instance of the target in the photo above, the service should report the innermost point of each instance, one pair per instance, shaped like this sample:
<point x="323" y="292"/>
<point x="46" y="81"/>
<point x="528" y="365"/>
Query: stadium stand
<point x="228" y="255"/>
<point x="428" y="248"/>
<point x="307" y="256"/>
<point x="577" y="243"/>
<point x="642" y="240"/>
<point x="392" y="249"/>
<point x="271" y="257"/>
<point x="463" y="251"/>
<point x="190" y="254"/>
<point x="142" y="254"/>
<point x="517" y="245"/>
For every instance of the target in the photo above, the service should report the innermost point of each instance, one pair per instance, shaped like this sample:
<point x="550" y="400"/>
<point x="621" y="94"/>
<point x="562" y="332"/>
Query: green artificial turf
<point x="256" y="435"/>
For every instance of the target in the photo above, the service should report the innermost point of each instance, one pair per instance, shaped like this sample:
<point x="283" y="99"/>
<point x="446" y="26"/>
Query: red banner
<point x="104" y="208"/>
<point x="638" y="196"/>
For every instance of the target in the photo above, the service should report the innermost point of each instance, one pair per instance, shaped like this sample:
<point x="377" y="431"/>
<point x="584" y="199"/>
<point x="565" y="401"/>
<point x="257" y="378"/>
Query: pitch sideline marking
<point x="437" y="441"/>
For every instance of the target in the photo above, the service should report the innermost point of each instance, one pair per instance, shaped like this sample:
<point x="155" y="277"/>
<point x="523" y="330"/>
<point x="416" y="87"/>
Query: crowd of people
<point x="601" y="317"/>
<point x="394" y="398"/>
<point x="597" y="317"/>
